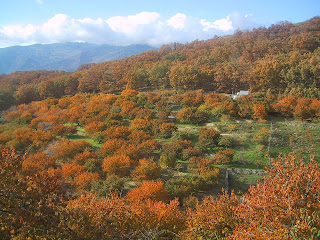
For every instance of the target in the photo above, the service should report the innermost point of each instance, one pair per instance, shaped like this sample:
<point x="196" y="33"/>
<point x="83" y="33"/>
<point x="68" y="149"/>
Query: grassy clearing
<point x="81" y="135"/>
<point x="239" y="165"/>
<point x="77" y="137"/>
<point x="252" y="143"/>
<point x="182" y="125"/>
<point x="286" y="136"/>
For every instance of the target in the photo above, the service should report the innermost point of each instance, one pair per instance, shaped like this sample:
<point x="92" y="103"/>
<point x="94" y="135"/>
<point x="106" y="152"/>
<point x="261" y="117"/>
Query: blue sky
<point x="123" y="22"/>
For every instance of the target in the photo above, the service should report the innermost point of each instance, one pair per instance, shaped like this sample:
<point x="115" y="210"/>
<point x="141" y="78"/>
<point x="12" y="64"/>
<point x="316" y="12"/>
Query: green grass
<point x="82" y="136"/>
<point x="185" y="125"/>
<point x="163" y="139"/>
<point x="224" y="123"/>
<point x="77" y="137"/>
<point x="81" y="129"/>
<point x="94" y="143"/>
<point x="246" y="150"/>
<point x="240" y="165"/>
<point x="181" y="161"/>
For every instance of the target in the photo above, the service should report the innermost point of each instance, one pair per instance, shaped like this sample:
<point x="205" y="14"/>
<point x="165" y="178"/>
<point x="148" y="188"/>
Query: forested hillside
<point x="283" y="58"/>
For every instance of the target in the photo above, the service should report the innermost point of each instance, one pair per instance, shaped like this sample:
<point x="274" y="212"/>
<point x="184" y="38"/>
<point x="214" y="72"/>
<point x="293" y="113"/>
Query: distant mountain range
<point x="62" y="56"/>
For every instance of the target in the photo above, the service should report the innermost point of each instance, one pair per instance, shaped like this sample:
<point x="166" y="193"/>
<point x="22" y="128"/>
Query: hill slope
<point x="61" y="56"/>
<point x="284" y="58"/>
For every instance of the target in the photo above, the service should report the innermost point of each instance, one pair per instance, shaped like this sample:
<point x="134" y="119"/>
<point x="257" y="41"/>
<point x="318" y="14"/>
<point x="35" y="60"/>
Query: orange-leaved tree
<point x="29" y="203"/>
<point x="83" y="157"/>
<point x="90" y="217"/>
<point x="37" y="162"/>
<point x="118" y="165"/>
<point x="223" y="156"/>
<point x="213" y="218"/>
<point x="208" y="138"/>
<point x="259" y="112"/>
<point x="285" y="205"/>
<point x="149" y="190"/>
<point x="146" y="170"/>
<point x="62" y="130"/>
<point x="66" y="150"/>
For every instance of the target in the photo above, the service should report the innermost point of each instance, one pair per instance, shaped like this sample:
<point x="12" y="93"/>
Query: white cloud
<point x="177" y="21"/>
<point x="39" y="1"/>
<point x="224" y="24"/>
<point x="55" y="25"/>
<point x="144" y="28"/>
<point x="128" y="24"/>
<point x="17" y="31"/>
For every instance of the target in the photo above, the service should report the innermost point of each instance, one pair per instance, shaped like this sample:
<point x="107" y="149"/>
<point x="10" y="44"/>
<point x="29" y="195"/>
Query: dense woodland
<point x="139" y="148"/>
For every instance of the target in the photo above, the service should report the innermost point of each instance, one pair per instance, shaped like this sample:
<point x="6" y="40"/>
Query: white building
<point x="241" y="93"/>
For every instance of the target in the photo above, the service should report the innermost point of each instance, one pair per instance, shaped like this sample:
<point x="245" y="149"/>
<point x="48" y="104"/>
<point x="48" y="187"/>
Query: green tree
<point x="6" y="100"/>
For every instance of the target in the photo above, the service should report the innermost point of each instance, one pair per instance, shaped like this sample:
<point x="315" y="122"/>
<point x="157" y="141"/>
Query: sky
<point x="125" y="22"/>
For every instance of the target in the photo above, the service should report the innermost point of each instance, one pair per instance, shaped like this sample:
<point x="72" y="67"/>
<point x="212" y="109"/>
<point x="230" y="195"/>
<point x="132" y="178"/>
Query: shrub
<point x="167" y="160"/>
<point x="149" y="190"/>
<point x="223" y="156"/>
<point x="262" y="136"/>
<point x="186" y="134"/>
<point x="118" y="165"/>
<point x="184" y="186"/>
<point x="62" y="130"/>
<point x="208" y="138"/>
<point x="146" y="170"/>
<point x="111" y="184"/>
<point x="198" y="164"/>
<point x="93" y="165"/>
<point x="191" y="152"/>
<point x="172" y="151"/>
<point x="226" y="141"/>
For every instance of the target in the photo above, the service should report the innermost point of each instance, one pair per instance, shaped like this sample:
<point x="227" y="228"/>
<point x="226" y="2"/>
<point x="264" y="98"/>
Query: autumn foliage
<point x="62" y="130"/>
<point x="285" y="205"/>
<point x="117" y="164"/>
<point x="213" y="218"/>
<point x="96" y="157"/>
<point x="223" y="157"/>
<point x="29" y="203"/>
<point x="149" y="190"/>
<point x="66" y="149"/>
<point x="146" y="170"/>
<point x="113" y="217"/>
<point x="37" y="162"/>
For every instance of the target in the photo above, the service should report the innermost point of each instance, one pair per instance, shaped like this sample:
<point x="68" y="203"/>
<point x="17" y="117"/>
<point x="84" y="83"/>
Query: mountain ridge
<point x="62" y="56"/>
